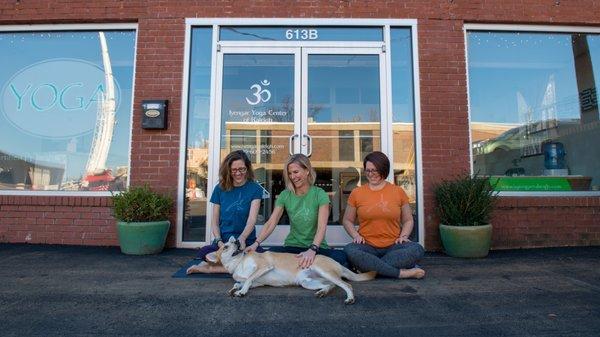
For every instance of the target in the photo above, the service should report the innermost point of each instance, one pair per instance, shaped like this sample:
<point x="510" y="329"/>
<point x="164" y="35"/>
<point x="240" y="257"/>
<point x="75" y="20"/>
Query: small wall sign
<point x="154" y="114"/>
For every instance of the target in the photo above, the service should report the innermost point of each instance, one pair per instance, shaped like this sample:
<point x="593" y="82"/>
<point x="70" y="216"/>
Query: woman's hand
<point x="358" y="239"/>
<point x="402" y="239"/>
<point x="251" y="248"/>
<point x="220" y="244"/>
<point x="306" y="258"/>
<point x="242" y="241"/>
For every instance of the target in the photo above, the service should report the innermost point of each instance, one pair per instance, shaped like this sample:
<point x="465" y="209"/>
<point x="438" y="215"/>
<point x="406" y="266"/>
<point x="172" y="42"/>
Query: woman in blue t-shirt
<point x="236" y="201"/>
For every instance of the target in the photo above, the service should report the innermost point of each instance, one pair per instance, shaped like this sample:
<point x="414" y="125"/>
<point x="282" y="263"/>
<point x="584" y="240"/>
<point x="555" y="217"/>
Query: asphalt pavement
<point x="97" y="291"/>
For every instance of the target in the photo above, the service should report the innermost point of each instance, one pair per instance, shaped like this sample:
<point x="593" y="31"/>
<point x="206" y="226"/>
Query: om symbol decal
<point x="262" y="95"/>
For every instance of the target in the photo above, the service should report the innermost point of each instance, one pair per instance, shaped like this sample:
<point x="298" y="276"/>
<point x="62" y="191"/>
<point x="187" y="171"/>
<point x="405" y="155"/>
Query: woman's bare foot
<point x="197" y="268"/>
<point x="206" y="268"/>
<point x="416" y="273"/>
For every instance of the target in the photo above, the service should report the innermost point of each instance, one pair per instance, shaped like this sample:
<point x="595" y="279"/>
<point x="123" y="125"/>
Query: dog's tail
<point x="352" y="276"/>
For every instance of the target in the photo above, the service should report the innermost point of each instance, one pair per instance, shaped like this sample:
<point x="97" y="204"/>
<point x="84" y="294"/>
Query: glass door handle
<point x="291" y="144"/>
<point x="309" y="139"/>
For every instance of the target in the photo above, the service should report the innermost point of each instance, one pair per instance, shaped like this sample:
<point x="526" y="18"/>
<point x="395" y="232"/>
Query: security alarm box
<point x="154" y="114"/>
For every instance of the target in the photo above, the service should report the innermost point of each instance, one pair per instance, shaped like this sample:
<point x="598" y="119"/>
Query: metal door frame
<point x="216" y="23"/>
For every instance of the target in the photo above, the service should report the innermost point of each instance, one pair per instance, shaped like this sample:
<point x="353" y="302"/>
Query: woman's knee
<point x="202" y="252"/>
<point x="412" y="248"/>
<point x="340" y="256"/>
<point x="416" y="249"/>
<point x="351" y="247"/>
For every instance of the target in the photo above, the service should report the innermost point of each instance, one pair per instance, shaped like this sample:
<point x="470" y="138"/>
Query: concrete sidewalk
<point x="91" y="291"/>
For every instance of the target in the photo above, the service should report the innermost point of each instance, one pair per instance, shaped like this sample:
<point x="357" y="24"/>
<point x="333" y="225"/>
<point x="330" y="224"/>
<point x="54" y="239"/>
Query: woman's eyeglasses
<point x="239" y="170"/>
<point x="370" y="171"/>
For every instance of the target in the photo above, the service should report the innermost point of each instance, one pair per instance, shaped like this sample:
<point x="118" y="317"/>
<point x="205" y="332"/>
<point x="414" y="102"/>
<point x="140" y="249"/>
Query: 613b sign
<point x="301" y="34"/>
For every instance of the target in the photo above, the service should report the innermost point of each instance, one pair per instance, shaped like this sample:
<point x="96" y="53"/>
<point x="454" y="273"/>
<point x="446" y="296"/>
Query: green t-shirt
<point x="303" y="212"/>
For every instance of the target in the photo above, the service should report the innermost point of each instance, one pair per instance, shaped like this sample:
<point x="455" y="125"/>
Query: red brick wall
<point x="60" y="220"/>
<point x="543" y="222"/>
<point x="444" y="113"/>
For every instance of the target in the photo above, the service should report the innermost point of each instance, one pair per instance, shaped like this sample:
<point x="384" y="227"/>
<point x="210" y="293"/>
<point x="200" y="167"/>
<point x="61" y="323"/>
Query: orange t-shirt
<point x="379" y="213"/>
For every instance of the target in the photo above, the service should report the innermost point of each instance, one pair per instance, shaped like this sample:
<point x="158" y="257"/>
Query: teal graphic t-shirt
<point x="303" y="212"/>
<point x="235" y="208"/>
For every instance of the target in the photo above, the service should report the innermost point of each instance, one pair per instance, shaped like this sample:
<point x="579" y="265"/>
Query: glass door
<point x="342" y="109"/>
<point x="324" y="102"/>
<point x="258" y="111"/>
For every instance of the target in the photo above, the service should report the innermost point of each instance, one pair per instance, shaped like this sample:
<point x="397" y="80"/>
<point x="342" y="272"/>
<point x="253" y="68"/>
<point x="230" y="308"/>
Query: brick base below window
<point x="60" y="220"/>
<point x="532" y="222"/>
<point x="546" y="222"/>
<point x="518" y="222"/>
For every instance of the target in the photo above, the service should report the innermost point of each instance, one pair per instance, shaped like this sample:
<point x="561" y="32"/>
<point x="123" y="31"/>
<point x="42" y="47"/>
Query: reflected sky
<point x="199" y="87"/>
<point x="512" y="71"/>
<point x="343" y="88"/>
<point x="402" y="75"/>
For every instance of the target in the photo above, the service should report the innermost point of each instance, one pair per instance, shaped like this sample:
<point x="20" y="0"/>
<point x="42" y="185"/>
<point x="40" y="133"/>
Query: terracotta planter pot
<point x="466" y="241"/>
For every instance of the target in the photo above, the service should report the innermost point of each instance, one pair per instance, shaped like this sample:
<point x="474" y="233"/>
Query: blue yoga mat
<point x="181" y="272"/>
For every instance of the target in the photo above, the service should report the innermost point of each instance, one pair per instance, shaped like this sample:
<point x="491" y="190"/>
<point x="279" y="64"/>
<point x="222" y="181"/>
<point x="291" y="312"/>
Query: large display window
<point x="65" y="109"/>
<point x="534" y="109"/>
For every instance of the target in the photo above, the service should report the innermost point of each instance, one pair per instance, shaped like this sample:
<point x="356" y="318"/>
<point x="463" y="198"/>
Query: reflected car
<point x="524" y="135"/>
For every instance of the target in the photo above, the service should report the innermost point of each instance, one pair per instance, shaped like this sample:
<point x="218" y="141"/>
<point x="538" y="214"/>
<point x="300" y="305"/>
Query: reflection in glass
<point x="343" y="107"/>
<point x="257" y="116"/>
<point x="346" y="144"/>
<point x="366" y="142"/>
<point x="540" y="115"/>
<point x="403" y="116"/>
<point x="65" y="107"/>
<point x="196" y="165"/>
<point x="289" y="33"/>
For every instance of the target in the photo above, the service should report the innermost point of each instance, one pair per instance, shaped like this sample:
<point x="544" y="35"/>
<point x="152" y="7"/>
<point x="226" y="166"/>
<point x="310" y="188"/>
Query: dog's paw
<point x="236" y="286"/>
<point x="349" y="301"/>
<point x="239" y="293"/>
<point x="321" y="293"/>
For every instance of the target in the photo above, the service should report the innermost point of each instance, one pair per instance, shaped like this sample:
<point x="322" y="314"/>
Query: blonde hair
<point x="225" y="178"/>
<point x="304" y="162"/>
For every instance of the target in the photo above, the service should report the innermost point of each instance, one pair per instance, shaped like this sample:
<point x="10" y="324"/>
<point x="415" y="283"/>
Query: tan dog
<point x="254" y="269"/>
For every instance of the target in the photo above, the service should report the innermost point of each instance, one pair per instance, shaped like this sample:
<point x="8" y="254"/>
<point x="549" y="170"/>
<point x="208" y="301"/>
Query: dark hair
<point x="225" y="178"/>
<point x="380" y="161"/>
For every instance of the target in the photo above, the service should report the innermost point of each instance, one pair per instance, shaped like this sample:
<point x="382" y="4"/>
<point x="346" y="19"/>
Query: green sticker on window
<point x="530" y="183"/>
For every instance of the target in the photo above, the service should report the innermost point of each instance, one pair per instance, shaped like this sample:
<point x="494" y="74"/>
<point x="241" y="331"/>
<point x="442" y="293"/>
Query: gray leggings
<point x="385" y="261"/>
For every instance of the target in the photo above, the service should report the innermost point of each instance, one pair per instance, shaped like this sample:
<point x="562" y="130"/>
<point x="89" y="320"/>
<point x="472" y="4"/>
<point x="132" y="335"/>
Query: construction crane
<point x="98" y="177"/>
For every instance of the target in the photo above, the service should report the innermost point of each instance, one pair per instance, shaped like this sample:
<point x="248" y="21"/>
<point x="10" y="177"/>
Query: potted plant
<point x="142" y="220"/>
<point x="464" y="207"/>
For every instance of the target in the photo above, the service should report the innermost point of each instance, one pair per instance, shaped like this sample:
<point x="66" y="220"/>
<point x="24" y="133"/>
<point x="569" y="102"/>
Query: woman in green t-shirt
<point x="307" y="207"/>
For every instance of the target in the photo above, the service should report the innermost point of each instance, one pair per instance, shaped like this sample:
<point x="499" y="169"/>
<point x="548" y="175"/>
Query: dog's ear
<point x="232" y="239"/>
<point x="212" y="257"/>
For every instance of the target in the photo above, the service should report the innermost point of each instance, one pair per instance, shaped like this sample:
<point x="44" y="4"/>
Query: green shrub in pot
<point x="142" y="220"/>
<point x="464" y="206"/>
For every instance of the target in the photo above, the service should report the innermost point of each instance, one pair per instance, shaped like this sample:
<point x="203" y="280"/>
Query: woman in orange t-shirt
<point x="385" y="223"/>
